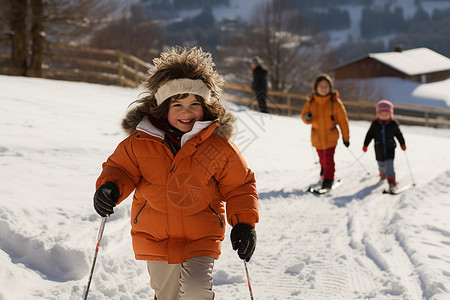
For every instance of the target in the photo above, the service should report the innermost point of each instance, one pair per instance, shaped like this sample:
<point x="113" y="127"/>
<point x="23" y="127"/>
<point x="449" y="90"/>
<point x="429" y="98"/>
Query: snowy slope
<point x="355" y="243"/>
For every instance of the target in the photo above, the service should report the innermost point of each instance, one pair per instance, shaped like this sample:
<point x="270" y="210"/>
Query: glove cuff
<point x="243" y="226"/>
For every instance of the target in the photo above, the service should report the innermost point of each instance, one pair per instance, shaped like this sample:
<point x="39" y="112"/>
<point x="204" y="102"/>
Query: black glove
<point x="243" y="239"/>
<point x="105" y="198"/>
<point x="308" y="117"/>
<point x="346" y="143"/>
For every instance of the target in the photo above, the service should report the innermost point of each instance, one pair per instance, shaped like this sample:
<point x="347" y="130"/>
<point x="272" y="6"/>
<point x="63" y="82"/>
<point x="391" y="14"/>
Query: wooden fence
<point x="117" y="68"/>
<point x="291" y="104"/>
<point x="94" y="65"/>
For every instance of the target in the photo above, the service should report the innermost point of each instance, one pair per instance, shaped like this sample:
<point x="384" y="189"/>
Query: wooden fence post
<point x="136" y="73"/>
<point x="288" y="102"/>
<point x="121" y="81"/>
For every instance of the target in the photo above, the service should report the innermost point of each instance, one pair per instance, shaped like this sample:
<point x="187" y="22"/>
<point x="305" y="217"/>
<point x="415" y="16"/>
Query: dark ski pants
<point x="262" y="105"/>
<point x="326" y="159"/>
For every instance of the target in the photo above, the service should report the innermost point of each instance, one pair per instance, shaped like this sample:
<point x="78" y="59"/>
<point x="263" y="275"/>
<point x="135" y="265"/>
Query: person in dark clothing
<point x="383" y="130"/>
<point x="259" y="84"/>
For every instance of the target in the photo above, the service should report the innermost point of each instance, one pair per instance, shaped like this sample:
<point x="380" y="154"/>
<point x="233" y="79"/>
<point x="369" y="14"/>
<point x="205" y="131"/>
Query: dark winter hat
<point x="385" y="106"/>
<point x="325" y="77"/>
<point x="256" y="60"/>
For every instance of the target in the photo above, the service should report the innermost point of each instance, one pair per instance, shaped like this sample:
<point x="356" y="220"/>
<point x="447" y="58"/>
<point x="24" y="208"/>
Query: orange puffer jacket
<point x="326" y="113"/>
<point x="178" y="208"/>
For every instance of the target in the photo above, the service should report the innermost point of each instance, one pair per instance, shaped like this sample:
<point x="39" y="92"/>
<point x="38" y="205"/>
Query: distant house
<point x="420" y="65"/>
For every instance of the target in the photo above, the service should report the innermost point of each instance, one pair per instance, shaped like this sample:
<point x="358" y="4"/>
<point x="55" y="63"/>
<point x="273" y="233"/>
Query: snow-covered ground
<point x="354" y="243"/>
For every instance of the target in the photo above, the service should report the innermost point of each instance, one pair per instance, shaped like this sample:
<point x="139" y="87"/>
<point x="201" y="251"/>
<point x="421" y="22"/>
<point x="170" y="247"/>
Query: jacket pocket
<point x="217" y="215"/>
<point x="139" y="212"/>
<point x="392" y="141"/>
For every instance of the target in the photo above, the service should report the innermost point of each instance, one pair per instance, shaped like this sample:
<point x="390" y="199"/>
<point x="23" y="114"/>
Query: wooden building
<point x="420" y="65"/>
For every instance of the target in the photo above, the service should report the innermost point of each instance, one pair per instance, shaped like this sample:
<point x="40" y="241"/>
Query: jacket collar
<point x="146" y="126"/>
<point x="385" y="122"/>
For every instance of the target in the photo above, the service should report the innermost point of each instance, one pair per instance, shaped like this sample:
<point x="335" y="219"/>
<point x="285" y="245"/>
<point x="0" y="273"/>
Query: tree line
<point x="376" y="22"/>
<point x="420" y="30"/>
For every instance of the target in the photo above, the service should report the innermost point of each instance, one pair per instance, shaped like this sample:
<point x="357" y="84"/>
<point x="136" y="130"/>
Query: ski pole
<point x="357" y="159"/>
<point x="314" y="155"/>
<point x="409" y="168"/>
<point x="99" y="239"/>
<point x="248" y="281"/>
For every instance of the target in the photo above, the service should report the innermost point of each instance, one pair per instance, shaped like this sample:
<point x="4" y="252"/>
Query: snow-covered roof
<point x="414" y="61"/>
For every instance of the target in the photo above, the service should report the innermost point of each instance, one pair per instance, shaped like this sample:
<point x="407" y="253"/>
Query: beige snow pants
<point x="190" y="280"/>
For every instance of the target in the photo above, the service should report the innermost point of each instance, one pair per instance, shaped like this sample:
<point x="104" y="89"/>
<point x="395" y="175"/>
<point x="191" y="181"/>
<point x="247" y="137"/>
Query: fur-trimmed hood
<point x="182" y="63"/>
<point x="227" y="126"/>
<point x="224" y="129"/>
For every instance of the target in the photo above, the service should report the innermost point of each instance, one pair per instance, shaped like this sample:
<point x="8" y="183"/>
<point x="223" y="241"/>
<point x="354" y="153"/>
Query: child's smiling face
<point x="323" y="88"/>
<point x="183" y="113"/>
<point x="384" y="115"/>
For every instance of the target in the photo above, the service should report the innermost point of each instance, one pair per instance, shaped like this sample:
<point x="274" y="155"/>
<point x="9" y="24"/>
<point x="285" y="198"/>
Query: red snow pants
<point x="326" y="159"/>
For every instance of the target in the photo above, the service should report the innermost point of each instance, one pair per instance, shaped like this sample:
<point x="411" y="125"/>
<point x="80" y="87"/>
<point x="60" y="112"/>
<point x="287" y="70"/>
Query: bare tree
<point x="293" y="53"/>
<point x="68" y="21"/>
<point x="139" y="35"/>
<point x="37" y="38"/>
<point x="4" y="13"/>
<point x="18" y="35"/>
<point x="61" y="21"/>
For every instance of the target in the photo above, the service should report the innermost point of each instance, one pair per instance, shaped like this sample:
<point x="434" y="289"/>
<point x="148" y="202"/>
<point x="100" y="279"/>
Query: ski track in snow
<point x="432" y="285"/>
<point x="364" y="252"/>
<point x="365" y="255"/>
<point x="336" y="267"/>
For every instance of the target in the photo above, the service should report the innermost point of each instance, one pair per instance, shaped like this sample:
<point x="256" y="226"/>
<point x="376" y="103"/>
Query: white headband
<point x="182" y="86"/>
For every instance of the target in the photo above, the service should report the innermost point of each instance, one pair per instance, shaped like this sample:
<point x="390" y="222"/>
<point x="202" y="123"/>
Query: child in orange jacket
<point x="325" y="111"/>
<point x="185" y="173"/>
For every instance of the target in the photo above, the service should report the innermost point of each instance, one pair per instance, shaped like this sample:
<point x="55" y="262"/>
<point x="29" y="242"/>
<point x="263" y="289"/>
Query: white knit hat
<point x="182" y="86"/>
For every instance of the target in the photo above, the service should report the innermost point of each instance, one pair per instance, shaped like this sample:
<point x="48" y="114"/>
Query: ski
<point x="399" y="190"/>
<point x="315" y="186"/>
<point x="321" y="191"/>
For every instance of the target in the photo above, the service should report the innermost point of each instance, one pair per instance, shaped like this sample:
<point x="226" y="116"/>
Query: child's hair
<point x="385" y="106"/>
<point x="325" y="77"/>
<point x="180" y="69"/>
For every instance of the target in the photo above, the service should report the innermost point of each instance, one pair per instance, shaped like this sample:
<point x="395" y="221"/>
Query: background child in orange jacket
<point x="186" y="173"/>
<point x="325" y="111"/>
<point x="382" y="131"/>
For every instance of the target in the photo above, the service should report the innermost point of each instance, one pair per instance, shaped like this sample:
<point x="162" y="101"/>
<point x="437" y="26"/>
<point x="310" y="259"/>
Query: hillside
<point x="354" y="243"/>
<point x="412" y="27"/>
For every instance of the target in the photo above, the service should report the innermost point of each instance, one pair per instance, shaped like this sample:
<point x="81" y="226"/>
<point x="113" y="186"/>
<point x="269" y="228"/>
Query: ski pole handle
<point x="248" y="280"/>
<point x="99" y="239"/>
